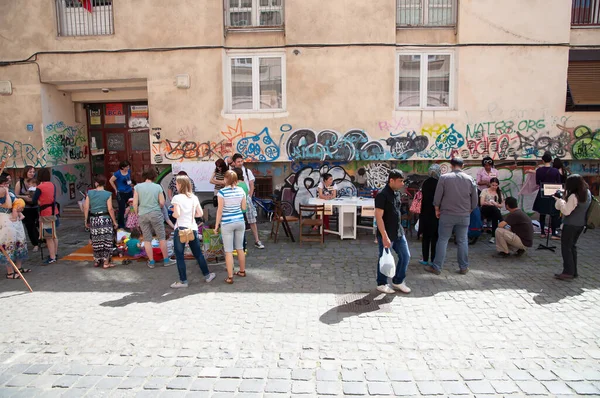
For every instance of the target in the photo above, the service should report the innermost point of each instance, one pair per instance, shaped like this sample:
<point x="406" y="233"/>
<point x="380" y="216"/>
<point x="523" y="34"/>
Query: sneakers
<point x="169" y="262"/>
<point x="423" y="262"/>
<point x="492" y="240"/>
<point x="179" y="285"/>
<point x="385" y="289"/>
<point x="259" y="245"/>
<point x="402" y="287"/>
<point x="432" y="269"/>
<point x="50" y="261"/>
<point x="151" y="263"/>
<point x="209" y="277"/>
<point x="464" y="271"/>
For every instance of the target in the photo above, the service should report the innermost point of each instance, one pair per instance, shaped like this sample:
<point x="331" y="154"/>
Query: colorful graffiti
<point x="258" y="147"/>
<point x="65" y="144"/>
<point x="501" y="139"/>
<point x="19" y="154"/>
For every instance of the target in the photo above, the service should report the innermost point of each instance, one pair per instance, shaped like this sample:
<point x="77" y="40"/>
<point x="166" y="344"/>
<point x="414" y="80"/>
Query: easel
<point x="16" y="269"/>
<point x="549" y="224"/>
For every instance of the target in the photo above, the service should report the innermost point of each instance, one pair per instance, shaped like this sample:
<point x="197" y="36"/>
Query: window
<point x="430" y="13"/>
<point x="425" y="80"/>
<point x="254" y="13"/>
<point x="84" y="17"/>
<point x="256" y="83"/>
<point x="583" y="81"/>
<point x="585" y="13"/>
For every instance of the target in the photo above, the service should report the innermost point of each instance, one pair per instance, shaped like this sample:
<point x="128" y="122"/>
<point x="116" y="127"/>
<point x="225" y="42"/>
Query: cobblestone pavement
<point x="305" y="322"/>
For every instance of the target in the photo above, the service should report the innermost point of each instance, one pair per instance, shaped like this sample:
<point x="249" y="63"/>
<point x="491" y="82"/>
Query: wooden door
<point x="116" y="152"/>
<point x="139" y="155"/>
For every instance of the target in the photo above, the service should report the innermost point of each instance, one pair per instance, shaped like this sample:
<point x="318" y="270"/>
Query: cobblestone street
<point x="306" y="322"/>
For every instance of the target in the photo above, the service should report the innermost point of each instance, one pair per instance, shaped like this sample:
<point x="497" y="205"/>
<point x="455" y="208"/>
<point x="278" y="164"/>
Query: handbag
<point x="415" y="207"/>
<point x="186" y="235"/>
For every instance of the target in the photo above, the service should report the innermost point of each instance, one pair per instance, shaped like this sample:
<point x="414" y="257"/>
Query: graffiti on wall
<point x="19" y="154"/>
<point x="69" y="180"/>
<point x="259" y="147"/>
<point x="65" y="144"/>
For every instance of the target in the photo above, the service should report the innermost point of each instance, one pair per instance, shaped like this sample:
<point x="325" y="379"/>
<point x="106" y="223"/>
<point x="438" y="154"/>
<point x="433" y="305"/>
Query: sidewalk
<point x="305" y="322"/>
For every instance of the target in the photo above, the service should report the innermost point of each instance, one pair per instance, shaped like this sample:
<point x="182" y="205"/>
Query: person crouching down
<point x="515" y="232"/>
<point x="390" y="233"/>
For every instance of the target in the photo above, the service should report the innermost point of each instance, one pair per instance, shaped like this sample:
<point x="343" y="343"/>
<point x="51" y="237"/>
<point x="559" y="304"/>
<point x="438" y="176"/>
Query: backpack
<point x="592" y="216"/>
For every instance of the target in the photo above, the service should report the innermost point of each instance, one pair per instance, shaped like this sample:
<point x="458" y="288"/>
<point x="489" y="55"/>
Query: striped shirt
<point x="232" y="200"/>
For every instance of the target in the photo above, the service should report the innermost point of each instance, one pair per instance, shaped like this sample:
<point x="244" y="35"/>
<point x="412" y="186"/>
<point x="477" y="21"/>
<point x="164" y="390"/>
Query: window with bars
<point x="429" y="13"/>
<point x="255" y="83"/>
<point x="84" y="17"/>
<point x="254" y="13"/>
<point x="425" y="80"/>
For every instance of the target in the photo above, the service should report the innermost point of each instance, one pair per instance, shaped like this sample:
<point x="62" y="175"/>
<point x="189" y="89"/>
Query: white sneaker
<point x="492" y="240"/>
<point x="385" y="289"/>
<point x="402" y="287"/>
<point x="210" y="277"/>
<point x="259" y="245"/>
<point x="179" y="285"/>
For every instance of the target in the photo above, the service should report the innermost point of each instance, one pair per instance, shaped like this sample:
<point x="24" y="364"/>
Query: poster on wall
<point x="114" y="114"/>
<point x="200" y="172"/>
<point x="138" y="116"/>
<point x="95" y="119"/>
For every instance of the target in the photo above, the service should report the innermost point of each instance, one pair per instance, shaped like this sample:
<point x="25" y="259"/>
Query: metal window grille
<point x="585" y="13"/>
<point x="426" y="13"/>
<point x="254" y="13"/>
<point x="72" y="19"/>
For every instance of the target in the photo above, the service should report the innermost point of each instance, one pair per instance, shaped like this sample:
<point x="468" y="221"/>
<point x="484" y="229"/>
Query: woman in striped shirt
<point x="232" y="200"/>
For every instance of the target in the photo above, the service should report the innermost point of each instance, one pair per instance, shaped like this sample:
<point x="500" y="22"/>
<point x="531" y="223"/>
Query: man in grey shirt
<point x="455" y="198"/>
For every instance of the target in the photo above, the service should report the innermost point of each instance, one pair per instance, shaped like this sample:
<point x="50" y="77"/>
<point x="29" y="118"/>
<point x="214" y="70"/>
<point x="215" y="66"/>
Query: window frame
<point x="423" y="74"/>
<point x="255" y="12"/>
<point x="256" y="56"/>
<point x="424" y="16"/>
<point x="64" y="23"/>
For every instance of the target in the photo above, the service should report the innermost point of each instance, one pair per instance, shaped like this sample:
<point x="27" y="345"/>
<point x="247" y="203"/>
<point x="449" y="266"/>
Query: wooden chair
<point x="306" y="220"/>
<point x="279" y="218"/>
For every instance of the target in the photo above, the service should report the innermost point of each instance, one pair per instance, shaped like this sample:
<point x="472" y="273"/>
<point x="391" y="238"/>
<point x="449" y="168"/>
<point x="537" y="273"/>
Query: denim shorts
<point x="233" y="236"/>
<point x="152" y="221"/>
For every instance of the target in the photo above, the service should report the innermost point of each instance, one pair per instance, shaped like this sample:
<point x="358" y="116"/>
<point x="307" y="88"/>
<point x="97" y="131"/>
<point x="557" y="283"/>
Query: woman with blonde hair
<point x="232" y="200"/>
<point x="185" y="208"/>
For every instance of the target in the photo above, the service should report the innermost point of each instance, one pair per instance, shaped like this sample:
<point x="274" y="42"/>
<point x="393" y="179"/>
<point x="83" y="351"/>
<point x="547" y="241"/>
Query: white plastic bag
<point x="387" y="266"/>
<point x="417" y="226"/>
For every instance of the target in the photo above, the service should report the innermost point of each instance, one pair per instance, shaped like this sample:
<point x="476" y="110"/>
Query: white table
<point x="347" y="209"/>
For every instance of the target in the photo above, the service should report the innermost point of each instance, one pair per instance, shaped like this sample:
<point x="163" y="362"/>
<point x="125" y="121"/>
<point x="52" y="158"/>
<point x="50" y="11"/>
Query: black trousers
<point x="122" y="199"/>
<point x="429" y="230"/>
<point x="31" y="224"/>
<point x="568" y="242"/>
<point x="492" y="213"/>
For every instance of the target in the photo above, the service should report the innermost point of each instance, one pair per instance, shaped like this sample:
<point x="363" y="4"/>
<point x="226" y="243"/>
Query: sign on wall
<point x="114" y="114"/>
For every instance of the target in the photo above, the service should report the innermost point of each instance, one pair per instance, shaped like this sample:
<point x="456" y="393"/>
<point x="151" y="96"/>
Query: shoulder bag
<point x="186" y="235"/>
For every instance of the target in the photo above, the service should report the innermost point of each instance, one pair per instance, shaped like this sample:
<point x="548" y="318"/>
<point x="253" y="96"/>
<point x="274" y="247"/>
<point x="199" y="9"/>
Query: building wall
<point x="510" y="69"/>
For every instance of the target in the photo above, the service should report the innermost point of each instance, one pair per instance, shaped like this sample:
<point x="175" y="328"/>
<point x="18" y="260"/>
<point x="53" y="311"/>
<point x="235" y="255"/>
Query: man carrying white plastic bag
<point x="390" y="234"/>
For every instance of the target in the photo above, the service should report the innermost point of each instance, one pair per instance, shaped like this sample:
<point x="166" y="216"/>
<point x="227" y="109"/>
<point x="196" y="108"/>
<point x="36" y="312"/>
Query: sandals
<point x="108" y="265"/>
<point x="229" y="280"/>
<point x="24" y="270"/>
<point x="13" y="275"/>
<point x="241" y="274"/>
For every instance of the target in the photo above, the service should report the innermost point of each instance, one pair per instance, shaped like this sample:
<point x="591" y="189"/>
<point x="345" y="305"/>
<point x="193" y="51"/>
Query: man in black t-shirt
<point x="390" y="233"/>
<point x="515" y="231"/>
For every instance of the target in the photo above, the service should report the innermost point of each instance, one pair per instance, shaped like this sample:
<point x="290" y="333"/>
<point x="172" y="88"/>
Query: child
<point x="32" y="184"/>
<point x="17" y="210"/>
<point x="135" y="248"/>
<point x="132" y="218"/>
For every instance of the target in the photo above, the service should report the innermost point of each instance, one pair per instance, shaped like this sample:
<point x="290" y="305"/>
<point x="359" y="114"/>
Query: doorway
<point x="119" y="131"/>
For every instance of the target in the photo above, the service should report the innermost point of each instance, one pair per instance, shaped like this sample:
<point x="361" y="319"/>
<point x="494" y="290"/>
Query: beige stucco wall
<point x="328" y="88"/>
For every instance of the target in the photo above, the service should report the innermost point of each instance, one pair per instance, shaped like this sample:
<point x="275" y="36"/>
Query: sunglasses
<point x="488" y="161"/>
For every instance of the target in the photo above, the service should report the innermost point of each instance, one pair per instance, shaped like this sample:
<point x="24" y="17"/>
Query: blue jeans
<point x="460" y="225"/>
<point x="400" y="246"/>
<point x="196" y="251"/>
